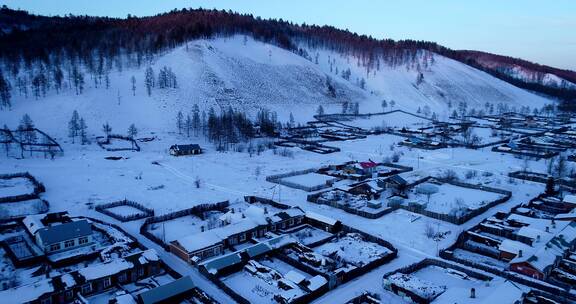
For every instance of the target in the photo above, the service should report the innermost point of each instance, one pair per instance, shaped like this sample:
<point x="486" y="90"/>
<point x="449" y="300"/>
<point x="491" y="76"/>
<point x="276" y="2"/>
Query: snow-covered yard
<point x="268" y="282"/>
<point x="452" y="199"/>
<point x="309" y="180"/>
<point x="15" y="186"/>
<point x="309" y="235"/>
<point x="126" y="210"/>
<point x="353" y="249"/>
<point x="22" y="208"/>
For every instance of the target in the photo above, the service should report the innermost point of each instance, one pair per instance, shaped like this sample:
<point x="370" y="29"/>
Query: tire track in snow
<point x="191" y="180"/>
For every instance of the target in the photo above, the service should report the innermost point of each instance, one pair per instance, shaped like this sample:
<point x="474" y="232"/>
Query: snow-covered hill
<point x="247" y="74"/>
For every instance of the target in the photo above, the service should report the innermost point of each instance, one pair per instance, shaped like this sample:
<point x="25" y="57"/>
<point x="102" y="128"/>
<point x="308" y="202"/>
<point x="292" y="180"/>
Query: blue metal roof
<point x="63" y="232"/>
<point x="167" y="291"/>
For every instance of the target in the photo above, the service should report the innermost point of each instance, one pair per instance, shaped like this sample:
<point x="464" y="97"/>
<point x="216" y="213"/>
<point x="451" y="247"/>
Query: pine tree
<point x="180" y="121"/>
<point x="345" y="107"/>
<point x="133" y="82"/>
<point x="320" y="110"/>
<point x="188" y="125"/>
<point x="58" y="78"/>
<point x="291" y="121"/>
<point x="78" y="80"/>
<point x="384" y="105"/>
<point x="82" y="130"/>
<point x="26" y="130"/>
<point x="73" y="126"/>
<point x="132" y="131"/>
<point x="4" y="92"/>
<point x="196" y="123"/>
<point x="107" y="130"/>
<point x="149" y="80"/>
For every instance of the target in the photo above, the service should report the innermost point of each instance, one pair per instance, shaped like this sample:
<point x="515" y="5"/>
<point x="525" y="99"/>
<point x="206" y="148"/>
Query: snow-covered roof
<point x="321" y="218"/>
<point x="514" y="247"/>
<point x="103" y="270"/>
<point x="530" y="232"/>
<point x="545" y="253"/>
<point x="214" y="265"/>
<point x="295" y="276"/>
<point x="66" y="231"/>
<point x="570" y="199"/>
<point x="167" y="291"/>
<point x="316" y="282"/>
<point x="212" y="237"/>
<point x="33" y="223"/>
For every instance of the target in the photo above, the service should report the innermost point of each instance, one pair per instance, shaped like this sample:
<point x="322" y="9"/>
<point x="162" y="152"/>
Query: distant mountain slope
<point x="521" y="73"/>
<point x="227" y="60"/>
<point x="39" y="36"/>
<point x="249" y="75"/>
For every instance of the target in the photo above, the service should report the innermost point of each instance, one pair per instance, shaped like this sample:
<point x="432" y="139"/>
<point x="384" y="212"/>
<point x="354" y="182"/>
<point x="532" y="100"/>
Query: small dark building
<point x="178" y="150"/>
<point x="173" y="292"/>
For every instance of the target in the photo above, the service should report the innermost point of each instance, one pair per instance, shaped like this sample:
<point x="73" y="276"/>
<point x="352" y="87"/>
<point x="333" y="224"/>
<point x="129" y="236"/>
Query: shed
<point x="168" y="293"/>
<point x="191" y="149"/>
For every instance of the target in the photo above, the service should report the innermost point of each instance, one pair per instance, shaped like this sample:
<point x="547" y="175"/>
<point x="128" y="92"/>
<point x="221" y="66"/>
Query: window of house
<point x="254" y="234"/>
<point x="299" y="220"/>
<point x="106" y="282"/>
<point x="233" y="241"/>
<point x="123" y="277"/>
<point x="291" y="222"/>
<point x="86" y="288"/>
<point x="83" y="240"/>
<point x="55" y="247"/>
<point x="140" y="272"/>
<point x="242" y="237"/>
<point x="69" y="294"/>
<point x="69" y="243"/>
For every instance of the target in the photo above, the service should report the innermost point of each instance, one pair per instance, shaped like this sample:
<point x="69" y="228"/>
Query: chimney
<point x="519" y="253"/>
<point x="538" y="238"/>
<point x="202" y="229"/>
<point x="472" y="293"/>
<point x="232" y="210"/>
<point x="265" y="210"/>
<point x="547" y="229"/>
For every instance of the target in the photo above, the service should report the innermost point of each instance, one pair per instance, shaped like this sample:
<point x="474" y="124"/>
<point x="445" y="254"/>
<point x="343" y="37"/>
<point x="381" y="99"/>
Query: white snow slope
<point x="251" y="75"/>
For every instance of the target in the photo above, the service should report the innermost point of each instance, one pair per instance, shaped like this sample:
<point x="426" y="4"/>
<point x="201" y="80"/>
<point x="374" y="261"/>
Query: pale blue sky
<point x="540" y="31"/>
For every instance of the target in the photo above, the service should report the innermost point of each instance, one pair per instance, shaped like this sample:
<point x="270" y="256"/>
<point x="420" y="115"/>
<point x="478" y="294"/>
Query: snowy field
<point x="396" y="120"/>
<point x="15" y="186"/>
<point x="117" y="143"/>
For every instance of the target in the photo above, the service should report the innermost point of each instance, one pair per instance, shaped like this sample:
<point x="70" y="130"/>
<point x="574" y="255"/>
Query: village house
<point x="235" y="228"/>
<point x="53" y="236"/>
<point x="93" y="279"/>
<point x="173" y="292"/>
<point x="179" y="150"/>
